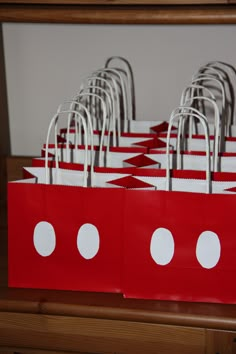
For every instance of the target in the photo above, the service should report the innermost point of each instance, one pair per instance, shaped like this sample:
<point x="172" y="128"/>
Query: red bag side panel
<point x="66" y="209"/>
<point x="186" y="216"/>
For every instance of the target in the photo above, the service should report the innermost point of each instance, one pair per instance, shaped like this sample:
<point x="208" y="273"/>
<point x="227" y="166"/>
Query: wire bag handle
<point x="54" y="122"/>
<point x="109" y="116"/>
<point x="123" y="95"/>
<point x="104" y="111"/>
<point x="223" y="124"/>
<point x="110" y="76"/>
<point x="217" y="135"/>
<point x="130" y="83"/>
<point x="72" y="107"/>
<point x="92" y="81"/>
<point x="181" y="131"/>
<point x="177" y="116"/>
<point x="218" y="65"/>
<point x="188" y="93"/>
<point x="76" y="106"/>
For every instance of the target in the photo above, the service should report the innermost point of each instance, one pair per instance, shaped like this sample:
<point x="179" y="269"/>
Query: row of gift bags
<point x="149" y="215"/>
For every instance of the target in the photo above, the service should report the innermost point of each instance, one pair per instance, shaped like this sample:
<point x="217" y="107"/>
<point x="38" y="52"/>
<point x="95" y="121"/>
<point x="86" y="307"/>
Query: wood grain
<point x="14" y="165"/>
<point x="12" y="350"/>
<point x="114" y="307"/>
<point x="114" y="2"/>
<point x="221" y="342"/>
<point x="99" y="336"/>
<point x="2" y="182"/>
<point x="221" y="14"/>
<point x="5" y="148"/>
<point x="7" y="350"/>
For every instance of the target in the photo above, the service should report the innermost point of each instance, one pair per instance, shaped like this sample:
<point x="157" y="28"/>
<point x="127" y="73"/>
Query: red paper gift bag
<point x="65" y="237"/>
<point x="63" y="234"/>
<point x="180" y="246"/>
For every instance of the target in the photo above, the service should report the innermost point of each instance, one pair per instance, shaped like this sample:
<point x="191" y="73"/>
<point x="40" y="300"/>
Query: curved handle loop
<point x="112" y="98"/>
<point x="222" y="66"/>
<point x="175" y="116"/>
<point x="209" y="72"/>
<point x="213" y="71"/>
<point x="109" y="116"/>
<point x="223" y="123"/>
<point x="109" y="112"/>
<point x="217" y="136"/>
<point x="104" y="115"/>
<point x="188" y="92"/>
<point x="212" y="78"/>
<point x="72" y="107"/>
<point x="130" y="83"/>
<point x="76" y="106"/>
<point x="78" y="117"/>
<point x="181" y="127"/>
<point x="217" y="62"/>
<point x="110" y="76"/>
<point x="123" y="94"/>
<point x="220" y="80"/>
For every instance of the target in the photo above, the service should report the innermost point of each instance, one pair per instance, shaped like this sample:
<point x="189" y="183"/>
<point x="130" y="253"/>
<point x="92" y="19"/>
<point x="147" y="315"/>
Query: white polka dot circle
<point x="44" y="238"/>
<point x="162" y="246"/>
<point x="88" y="241"/>
<point x="208" y="249"/>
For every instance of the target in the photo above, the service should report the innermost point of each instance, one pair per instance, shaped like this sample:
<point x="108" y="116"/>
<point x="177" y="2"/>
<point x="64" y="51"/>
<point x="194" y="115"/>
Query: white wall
<point x="45" y="65"/>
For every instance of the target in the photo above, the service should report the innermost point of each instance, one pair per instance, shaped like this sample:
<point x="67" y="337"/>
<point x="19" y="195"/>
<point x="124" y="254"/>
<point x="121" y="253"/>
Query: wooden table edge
<point x="116" y="313"/>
